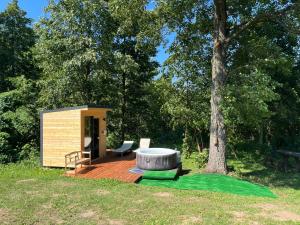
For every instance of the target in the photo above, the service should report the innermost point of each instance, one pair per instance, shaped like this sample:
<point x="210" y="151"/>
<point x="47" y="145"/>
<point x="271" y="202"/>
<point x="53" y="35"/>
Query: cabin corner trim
<point x="41" y="139"/>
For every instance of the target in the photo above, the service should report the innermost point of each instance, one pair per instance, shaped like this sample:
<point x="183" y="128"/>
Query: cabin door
<point x="95" y="139"/>
<point x="92" y="136"/>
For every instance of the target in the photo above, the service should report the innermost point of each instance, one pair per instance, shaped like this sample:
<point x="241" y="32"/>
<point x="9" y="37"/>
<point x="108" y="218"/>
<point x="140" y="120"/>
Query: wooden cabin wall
<point x="61" y="135"/>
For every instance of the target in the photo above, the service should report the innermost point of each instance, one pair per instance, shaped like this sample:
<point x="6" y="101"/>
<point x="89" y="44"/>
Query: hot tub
<point x="156" y="158"/>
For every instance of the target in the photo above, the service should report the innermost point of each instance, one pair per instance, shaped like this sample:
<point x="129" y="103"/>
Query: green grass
<point x="33" y="195"/>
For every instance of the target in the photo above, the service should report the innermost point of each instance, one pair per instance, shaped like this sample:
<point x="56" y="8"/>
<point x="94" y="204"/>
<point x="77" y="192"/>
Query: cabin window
<point x="87" y="126"/>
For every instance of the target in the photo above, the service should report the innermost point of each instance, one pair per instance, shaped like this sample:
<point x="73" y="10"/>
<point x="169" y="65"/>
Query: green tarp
<point x="213" y="182"/>
<point x="160" y="175"/>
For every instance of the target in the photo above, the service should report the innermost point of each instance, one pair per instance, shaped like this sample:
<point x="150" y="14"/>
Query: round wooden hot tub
<point x="156" y="159"/>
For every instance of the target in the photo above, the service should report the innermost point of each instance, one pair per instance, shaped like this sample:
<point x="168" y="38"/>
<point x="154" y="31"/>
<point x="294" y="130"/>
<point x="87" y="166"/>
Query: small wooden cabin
<point x="72" y="129"/>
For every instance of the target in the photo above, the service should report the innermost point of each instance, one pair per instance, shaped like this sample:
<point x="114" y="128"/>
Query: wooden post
<point x="102" y="135"/>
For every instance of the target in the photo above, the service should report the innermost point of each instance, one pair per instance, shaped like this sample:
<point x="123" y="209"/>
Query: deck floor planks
<point x="111" y="167"/>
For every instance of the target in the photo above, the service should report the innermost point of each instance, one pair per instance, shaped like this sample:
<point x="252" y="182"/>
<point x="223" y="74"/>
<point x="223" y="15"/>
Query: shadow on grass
<point x="254" y="170"/>
<point x="273" y="178"/>
<point x="184" y="172"/>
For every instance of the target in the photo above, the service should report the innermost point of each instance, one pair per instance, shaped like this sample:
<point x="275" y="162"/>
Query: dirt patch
<point x="47" y="206"/>
<point x="6" y="217"/>
<point x="277" y="213"/>
<point x="59" y="221"/>
<point x="186" y="219"/>
<point x="88" y="214"/>
<point x="255" y="223"/>
<point x="46" y="216"/>
<point x="163" y="194"/>
<point x="286" y="216"/>
<point x="194" y="199"/>
<point x="140" y="201"/>
<point x="24" y="181"/>
<point x="102" y="192"/>
<point x="115" y="222"/>
<point x="3" y="213"/>
<point x="239" y="215"/>
<point x="266" y="206"/>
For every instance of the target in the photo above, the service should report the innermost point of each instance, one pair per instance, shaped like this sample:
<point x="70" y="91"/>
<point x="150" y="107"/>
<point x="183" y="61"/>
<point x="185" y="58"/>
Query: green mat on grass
<point x="213" y="182"/>
<point x="160" y="175"/>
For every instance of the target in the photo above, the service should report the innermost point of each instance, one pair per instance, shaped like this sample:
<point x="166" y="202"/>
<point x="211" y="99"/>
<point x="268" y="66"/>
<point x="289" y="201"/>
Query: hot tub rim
<point x="169" y="152"/>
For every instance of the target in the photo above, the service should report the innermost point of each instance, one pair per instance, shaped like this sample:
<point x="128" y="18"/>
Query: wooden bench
<point x="286" y="155"/>
<point x="73" y="159"/>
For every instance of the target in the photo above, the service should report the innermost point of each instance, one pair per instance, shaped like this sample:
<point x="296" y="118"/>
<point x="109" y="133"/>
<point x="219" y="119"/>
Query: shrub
<point x="187" y="145"/>
<point x="202" y="158"/>
<point x="112" y="140"/>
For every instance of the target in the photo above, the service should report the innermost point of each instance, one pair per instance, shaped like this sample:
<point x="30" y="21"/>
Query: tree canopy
<point x="18" y="90"/>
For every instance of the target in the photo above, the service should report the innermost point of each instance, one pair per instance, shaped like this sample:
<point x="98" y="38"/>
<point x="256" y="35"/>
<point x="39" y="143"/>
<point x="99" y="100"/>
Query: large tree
<point x="100" y="52"/>
<point x="223" y="26"/>
<point x="229" y="22"/>
<point x="74" y="52"/>
<point x="186" y="97"/>
<point x="18" y="91"/>
<point x="16" y="39"/>
<point x="134" y="48"/>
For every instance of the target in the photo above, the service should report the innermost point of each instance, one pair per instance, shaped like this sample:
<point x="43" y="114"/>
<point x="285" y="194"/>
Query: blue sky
<point x="35" y="10"/>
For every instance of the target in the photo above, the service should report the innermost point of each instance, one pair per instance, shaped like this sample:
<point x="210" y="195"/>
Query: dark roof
<point x="89" y="106"/>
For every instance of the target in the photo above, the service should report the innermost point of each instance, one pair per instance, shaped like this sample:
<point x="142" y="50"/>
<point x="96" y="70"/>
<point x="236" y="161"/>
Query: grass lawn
<point x="33" y="195"/>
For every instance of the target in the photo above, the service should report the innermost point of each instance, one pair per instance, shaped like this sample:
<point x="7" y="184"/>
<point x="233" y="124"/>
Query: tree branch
<point x="237" y="30"/>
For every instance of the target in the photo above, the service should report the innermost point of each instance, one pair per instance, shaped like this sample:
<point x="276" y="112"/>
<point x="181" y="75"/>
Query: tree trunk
<point x="198" y="144"/>
<point x="123" y="107"/>
<point x="202" y="144"/>
<point x="217" y="146"/>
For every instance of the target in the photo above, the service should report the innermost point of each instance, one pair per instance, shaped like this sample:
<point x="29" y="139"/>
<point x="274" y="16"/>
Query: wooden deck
<point x="111" y="167"/>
